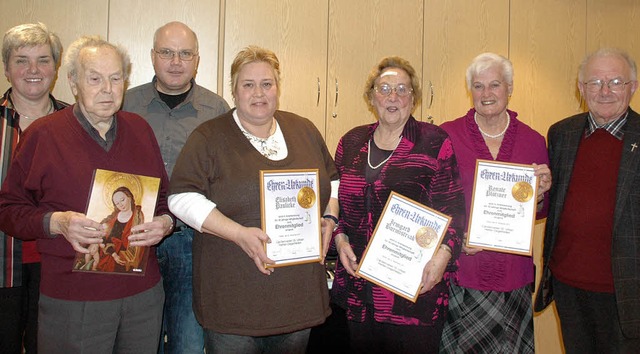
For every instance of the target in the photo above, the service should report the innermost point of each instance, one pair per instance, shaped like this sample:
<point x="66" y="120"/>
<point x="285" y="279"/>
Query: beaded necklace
<point x="475" y="118"/>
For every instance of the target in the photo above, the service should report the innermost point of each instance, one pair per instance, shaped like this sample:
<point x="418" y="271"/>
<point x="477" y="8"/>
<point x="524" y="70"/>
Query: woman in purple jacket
<point x="414" y="159"/>
<point x="490" y="302"/>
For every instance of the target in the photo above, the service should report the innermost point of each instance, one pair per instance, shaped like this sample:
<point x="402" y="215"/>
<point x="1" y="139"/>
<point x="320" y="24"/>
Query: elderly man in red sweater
<point x="45" y="194"/>
<point x="592" y="240"/>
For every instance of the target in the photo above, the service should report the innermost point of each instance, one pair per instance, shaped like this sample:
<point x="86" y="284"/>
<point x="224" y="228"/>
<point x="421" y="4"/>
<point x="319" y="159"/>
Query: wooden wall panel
<point x="360" y="34"/>
<point x="132" y="23"/>
<point x="70" y="20"/>
<point x="296" y="31"/>
<point x="325" y="40"/>
<point x="615" y="23"/>
<point x="455" y="33"/>
<point x="546" y="46"/>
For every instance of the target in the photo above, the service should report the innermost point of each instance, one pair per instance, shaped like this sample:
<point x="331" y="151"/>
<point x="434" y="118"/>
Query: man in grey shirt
<point x="174" y="105"/>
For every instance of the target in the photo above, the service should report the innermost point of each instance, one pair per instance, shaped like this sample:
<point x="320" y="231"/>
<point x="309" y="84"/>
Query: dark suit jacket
<point x="564" y="138"/>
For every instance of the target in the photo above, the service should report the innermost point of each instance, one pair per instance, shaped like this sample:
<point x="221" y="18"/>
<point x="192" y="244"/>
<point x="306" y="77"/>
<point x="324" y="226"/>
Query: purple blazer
<point x="489" y="270"/>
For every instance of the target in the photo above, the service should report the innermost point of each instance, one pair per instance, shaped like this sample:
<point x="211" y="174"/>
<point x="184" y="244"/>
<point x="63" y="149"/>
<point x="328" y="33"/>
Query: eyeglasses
<point x="168" y="54"/>
<point x="614" y="85"/>
<point x="400" y="90"/>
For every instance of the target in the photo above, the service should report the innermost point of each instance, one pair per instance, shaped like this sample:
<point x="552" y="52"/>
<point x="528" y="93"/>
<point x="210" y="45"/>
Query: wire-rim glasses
<point x="614" y="85"/>
<point x="401" y="90"/>
<point x="168" y="54"/>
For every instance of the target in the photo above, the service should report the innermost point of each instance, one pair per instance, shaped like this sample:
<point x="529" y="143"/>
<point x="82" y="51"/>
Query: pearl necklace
<point x="383" y="161"/>
<point x="475" y="118"/>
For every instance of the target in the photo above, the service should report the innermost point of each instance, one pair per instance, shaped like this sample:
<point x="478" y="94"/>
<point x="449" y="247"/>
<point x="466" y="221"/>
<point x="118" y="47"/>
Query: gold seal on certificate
<point x="306" y="197"/>
<point x="522" y="191"/>
<point x="291" y="215"/>
<point x="425" y="237"/>
<point x="405" y="239"/>
<point x="503" y="207"/>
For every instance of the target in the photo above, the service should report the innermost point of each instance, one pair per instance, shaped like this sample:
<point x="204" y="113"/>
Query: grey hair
<point x="71" y="63"/>
<point x="606" y="52"/>
<point x="30" y="35"/>
<point x="487" y="60"/>
<point x="392" y="62"/>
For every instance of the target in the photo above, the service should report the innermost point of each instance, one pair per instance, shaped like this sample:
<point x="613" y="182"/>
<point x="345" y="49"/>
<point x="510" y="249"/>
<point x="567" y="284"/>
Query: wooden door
<point x="297" y="32"/>
<point x="201" y="16"/>
<point x="361" y="32"/>
<point x="455" y="33"/>
<point x="615" y="23"/>
<point x="69" y="21"/>
<point x="546" y="46"/>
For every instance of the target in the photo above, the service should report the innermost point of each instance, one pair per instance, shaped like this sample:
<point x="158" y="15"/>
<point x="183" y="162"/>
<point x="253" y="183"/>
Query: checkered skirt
<point x="488" y="321"/>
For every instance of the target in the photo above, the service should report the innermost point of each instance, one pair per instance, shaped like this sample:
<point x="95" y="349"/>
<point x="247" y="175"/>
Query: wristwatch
<point x="331" y="217"/>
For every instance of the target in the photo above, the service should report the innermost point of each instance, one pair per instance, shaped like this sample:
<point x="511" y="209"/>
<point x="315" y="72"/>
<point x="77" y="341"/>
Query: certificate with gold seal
<point x="406" y="237"/>
<point x="291" y="215"/>
<point x="503" y="208"/>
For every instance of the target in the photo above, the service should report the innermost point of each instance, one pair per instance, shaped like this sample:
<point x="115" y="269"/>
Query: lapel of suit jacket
<point x="628" y="162"/>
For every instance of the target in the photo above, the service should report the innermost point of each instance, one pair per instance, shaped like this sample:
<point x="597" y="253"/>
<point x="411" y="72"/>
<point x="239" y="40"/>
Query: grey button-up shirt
<point x="172" y="127"/>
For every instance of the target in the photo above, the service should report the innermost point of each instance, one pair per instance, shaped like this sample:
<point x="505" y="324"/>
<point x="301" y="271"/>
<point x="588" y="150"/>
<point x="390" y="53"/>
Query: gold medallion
<point x="306" y="197"/>
<point x="426" y="237"/>
<point x="522" y="191"/>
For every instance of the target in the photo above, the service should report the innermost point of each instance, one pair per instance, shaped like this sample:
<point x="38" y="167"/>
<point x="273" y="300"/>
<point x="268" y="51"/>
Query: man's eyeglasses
<point x="167" y="54"/>
<point x="614" y="85"/>
<point x="400" y="90"/>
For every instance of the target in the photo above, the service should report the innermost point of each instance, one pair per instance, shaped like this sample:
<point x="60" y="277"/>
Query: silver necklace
<point x="49" y="111"/>
<point x="475" y="118"/>
<point x="383" y="161"/>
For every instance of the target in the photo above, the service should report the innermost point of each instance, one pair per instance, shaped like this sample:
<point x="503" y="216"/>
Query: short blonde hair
<point x="30" y="35"/>
<point x="252" y="54"/>
<point x="392" y="62"/>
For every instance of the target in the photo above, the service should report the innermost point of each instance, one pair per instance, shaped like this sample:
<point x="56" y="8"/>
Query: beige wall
<point x="130" y="23"/>
<point x="94" y="20"/>
<point x="545" y="39"/>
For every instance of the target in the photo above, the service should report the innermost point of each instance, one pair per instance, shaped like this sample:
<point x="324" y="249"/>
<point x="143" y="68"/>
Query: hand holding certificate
<point x="291" y="215"/>
<point x="503" y="208"/>
<point x="406" y="238"/>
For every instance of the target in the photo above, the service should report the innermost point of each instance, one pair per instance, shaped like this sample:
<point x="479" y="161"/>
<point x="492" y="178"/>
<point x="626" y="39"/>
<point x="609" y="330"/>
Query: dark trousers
<point x="184" y="333"/>
<point x="290" y="343"/>
<point x="130" y="325"/>
<point x="376" y="337"/>
<point x="11" y="320"/>
<point x="589" y="322"/>
<point x="19" y="313"/>
<point x="30" y="298"/>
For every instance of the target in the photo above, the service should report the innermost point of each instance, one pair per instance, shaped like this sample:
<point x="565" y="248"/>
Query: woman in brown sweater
<point x="243" y="305"/>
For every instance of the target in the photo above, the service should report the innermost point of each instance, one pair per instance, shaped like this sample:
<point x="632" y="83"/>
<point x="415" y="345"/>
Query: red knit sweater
<point x="582" y="255"/>
<point x="52" y="171"/>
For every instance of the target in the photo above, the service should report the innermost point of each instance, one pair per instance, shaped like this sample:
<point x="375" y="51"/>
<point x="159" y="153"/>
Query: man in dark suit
<point x="592" y="236"/>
